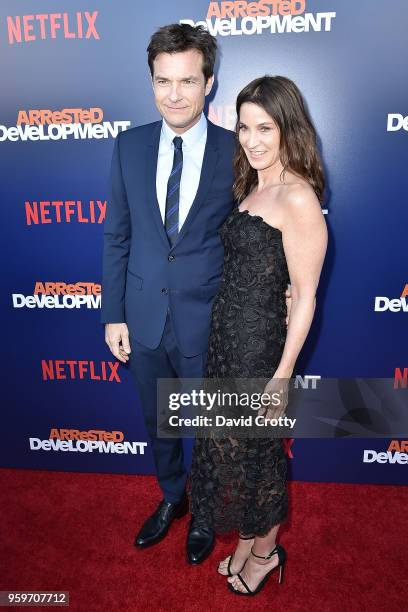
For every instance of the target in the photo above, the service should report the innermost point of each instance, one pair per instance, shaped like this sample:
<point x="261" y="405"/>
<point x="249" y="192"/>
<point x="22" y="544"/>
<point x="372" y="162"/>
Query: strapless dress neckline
<point x="258" y="217"/>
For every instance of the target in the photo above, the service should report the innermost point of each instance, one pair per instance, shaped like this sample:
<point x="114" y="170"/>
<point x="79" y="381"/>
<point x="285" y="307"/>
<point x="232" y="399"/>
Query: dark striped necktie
<point x="171" y="221"/>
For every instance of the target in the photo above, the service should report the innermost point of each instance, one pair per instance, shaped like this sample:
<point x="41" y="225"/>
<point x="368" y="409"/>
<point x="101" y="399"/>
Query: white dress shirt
<point x="193" y="147"/>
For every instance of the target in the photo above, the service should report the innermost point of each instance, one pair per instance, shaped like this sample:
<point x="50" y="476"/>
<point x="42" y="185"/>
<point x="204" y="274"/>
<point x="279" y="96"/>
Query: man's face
<point x="179" y="88"/>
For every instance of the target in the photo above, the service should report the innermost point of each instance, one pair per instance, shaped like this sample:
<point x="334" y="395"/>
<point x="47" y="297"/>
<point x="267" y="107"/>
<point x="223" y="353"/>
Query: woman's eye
<point x="242" y="127"/>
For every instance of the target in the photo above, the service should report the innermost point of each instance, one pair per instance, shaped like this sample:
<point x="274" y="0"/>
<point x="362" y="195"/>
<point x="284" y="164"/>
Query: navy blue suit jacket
<point x="142" y="274"/>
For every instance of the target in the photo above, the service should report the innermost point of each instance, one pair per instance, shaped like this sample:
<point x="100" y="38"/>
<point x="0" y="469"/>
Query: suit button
<point x="165" y="291"/>
<point x="171" y="257"/>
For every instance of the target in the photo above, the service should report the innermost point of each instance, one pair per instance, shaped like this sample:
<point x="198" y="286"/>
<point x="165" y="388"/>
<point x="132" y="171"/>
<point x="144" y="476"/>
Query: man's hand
<point x="117" y="338"/>
<point x="288" y="303"/>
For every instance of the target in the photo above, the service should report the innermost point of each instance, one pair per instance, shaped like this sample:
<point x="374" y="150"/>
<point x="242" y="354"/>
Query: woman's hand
<point x="278" y="390"/>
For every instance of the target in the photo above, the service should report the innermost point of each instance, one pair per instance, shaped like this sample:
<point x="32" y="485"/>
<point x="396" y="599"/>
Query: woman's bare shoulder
<point x="298" y="191"/>
<point x="301" y="207"/>
<point x="299" y="197"/>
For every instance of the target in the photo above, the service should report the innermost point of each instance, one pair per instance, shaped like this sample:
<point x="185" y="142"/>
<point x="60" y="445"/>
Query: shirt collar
<point x="190" y="137"/>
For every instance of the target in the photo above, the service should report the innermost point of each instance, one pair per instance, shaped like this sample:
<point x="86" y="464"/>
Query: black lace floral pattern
<point x="240" y="484"/>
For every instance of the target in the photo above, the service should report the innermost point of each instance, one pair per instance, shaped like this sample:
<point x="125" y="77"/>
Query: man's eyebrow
<point x="186" y="78"/>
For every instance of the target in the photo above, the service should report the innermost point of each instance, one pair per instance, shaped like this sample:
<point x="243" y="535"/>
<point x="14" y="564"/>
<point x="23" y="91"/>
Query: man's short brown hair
<point x="179" y="37"/>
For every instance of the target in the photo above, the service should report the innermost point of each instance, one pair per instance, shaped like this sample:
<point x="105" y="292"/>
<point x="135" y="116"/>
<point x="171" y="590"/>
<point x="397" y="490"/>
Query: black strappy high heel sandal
<point x="282" y="558"/>
<point x="231" y="557"/>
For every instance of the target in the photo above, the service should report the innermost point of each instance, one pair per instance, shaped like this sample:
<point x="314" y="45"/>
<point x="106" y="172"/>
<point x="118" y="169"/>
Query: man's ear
<point x="209" y="85"/>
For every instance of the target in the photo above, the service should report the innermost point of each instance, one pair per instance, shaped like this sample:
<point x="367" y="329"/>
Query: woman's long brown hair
<point x="282" y="100"/>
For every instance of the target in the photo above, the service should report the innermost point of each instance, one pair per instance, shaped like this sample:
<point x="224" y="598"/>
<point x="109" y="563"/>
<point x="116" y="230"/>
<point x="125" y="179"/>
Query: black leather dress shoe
<point x="157" y="525"/>
<point x="200" y="542"/>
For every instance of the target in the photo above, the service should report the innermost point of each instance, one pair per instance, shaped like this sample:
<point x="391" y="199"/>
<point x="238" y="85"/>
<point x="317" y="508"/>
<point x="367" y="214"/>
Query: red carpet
<point x="346" y="547"/>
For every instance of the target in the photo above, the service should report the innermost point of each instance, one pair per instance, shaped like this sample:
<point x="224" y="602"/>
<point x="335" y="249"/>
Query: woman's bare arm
<point x="304" y="235"/>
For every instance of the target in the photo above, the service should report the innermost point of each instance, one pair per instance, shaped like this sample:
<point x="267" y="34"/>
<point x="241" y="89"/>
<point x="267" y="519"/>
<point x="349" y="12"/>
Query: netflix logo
<point x="29" y="28"/>
<point x="42" y="212"/>
<point x="60" y="369"/>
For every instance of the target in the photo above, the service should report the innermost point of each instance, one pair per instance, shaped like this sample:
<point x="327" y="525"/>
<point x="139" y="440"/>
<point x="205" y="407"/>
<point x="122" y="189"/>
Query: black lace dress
<point x="240" y="483"/>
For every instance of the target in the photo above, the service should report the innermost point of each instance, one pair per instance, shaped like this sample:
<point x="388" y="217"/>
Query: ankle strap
<point x="268" y="556"/>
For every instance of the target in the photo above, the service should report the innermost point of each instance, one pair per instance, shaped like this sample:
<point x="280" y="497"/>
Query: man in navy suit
<point x="163" y="257"/>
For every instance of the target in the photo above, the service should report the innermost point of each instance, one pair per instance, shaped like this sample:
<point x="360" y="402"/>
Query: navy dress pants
<point x="147" y="365"/>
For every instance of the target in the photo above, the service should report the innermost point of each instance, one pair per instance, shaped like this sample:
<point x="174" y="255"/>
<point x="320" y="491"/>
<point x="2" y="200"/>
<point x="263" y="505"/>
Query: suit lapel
<point x="207" y="172"/>
<point x="152" y="156"/>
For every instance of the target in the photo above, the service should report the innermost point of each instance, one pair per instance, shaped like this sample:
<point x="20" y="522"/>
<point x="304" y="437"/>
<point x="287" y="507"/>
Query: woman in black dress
<point x="275" y="235"/>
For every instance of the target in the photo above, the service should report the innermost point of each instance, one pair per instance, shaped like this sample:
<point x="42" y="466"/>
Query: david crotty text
<point x="221" y="421"/>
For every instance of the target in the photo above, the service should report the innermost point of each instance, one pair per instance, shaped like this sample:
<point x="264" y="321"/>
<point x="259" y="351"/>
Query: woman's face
<point x="258" y="136"/>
